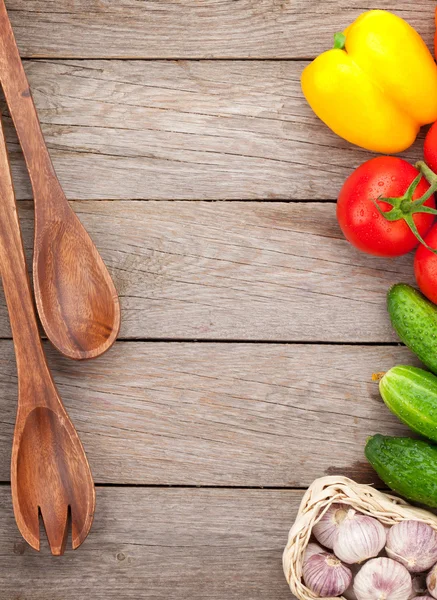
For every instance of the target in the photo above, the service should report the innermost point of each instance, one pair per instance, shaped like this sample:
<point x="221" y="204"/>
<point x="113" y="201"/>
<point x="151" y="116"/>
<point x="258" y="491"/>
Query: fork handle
<point x="31" y="362"/>
<point x="18" y="95"/>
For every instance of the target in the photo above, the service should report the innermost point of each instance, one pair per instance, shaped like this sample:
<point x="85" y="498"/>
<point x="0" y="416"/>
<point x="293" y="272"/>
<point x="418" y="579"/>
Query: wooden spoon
<point x="75" y="296"/>
<point x="50" y="474"/>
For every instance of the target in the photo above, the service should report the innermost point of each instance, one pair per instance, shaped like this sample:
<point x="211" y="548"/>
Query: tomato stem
<point x="428" y="173"/>
<point x="404" y="207"/>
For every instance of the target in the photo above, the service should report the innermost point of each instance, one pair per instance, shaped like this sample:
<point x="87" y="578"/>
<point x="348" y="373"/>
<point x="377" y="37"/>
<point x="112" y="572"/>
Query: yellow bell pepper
<point x="378" y="85"/>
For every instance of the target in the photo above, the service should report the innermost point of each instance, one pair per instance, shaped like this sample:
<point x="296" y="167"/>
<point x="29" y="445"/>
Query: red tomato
<point x="425" y="266"/>
<point x="430" y="148"/>
<point x="363" y="226"/>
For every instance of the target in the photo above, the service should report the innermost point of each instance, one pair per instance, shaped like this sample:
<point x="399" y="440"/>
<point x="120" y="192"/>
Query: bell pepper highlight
<point x="377" y="86"/>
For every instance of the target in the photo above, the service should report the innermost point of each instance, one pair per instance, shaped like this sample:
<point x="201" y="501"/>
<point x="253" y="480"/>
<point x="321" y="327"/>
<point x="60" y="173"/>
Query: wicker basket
<point x="318" y="498"/>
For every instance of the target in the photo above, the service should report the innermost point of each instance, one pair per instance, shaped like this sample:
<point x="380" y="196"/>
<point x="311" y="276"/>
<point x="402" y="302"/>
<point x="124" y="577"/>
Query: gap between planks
<point x="163" y="486"/>
<point x="145" y="340"/>
<point x="167" y="59"/>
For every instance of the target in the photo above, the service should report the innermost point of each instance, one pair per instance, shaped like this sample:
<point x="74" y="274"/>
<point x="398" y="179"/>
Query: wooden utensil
<point x="75" y="296"/>
<point x="49" y="472"/>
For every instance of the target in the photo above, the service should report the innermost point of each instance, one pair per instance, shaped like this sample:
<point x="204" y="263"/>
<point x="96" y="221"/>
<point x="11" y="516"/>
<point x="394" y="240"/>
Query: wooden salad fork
<point x="75" y="296"/>
<point x="50" y="475"/>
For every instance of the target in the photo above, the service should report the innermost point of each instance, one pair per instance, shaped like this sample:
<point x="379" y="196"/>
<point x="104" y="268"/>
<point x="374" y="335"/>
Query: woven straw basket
<point x="318" y="498"/>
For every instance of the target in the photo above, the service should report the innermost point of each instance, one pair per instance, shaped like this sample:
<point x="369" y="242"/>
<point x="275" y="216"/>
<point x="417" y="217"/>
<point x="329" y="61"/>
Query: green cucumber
<point x="415" y="321"/>
<point x="411" y="394"/>
<point x="409" y="467"/>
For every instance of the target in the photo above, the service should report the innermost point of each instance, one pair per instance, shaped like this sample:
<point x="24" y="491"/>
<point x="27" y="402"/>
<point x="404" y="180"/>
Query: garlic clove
<point x="326" y="576"/>
<point x="312" y="549"/>
<point x="359" y="538"/>
<point x="431" y="582"/>
<point x="413" y="544"/>
<point x="423" y="598"/>
<point x="326" y="528"/>
<point x="383" y="579"/>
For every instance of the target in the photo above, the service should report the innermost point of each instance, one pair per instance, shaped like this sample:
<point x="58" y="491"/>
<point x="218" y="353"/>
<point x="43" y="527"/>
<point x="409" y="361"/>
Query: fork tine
<point x="56" y="524"/>
<point x="81" y="520"/>
<point x="29" y="527"/>
<point x="54" y="477"/>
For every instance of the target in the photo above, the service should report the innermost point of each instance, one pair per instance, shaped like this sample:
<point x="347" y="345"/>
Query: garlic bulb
<point x="325" y="530"/>
<point x="312" y="549"/>
<point x="413" y="544"/>
<point x="383" y="579"/>
<point x="325" y="575"/>
<point x="431" y="582"/>
<point x="358" y="538"/>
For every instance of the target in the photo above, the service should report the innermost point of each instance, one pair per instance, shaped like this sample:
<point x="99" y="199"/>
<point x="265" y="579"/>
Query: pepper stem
<point x="339" y="41"/>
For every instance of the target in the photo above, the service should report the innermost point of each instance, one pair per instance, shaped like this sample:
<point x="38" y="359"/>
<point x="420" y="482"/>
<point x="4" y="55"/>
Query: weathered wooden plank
<point x="237" y="271"/>
<point x="316" y="22"/>
<point x="158" y="544"/>
<point x="219" y="414"/>
<point x="185" y="130"/>
<point x="195" y="29"/>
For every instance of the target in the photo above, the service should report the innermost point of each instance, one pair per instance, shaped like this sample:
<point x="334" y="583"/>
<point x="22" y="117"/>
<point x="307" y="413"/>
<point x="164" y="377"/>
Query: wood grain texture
<point x="194" y="29"/>
<point x="185" y="130"/>
<point x="75" y="296"/>
<point x="50" y="474"/>
<point x="219" y="414"/>
<point x="160" y="543"/>
<point x="202" y="414"/>
<point x="237" y="271"/>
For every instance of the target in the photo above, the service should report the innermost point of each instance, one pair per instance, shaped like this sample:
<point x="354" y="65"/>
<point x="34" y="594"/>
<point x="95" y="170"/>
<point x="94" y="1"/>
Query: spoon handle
<point x="31" y="363"/>
<point x="16" y="88"/>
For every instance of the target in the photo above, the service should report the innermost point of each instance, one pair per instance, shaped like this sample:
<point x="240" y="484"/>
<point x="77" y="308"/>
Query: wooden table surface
<point x="250" y="327"/>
